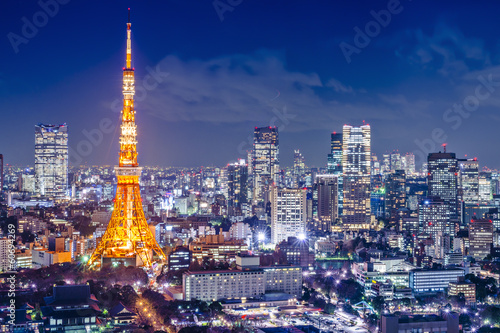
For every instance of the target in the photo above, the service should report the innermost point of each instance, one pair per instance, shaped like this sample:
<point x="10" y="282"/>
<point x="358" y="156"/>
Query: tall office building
<point x="335" y="166"/>
<point x="395" y="194"/>
<point x="356" y="158"/>
<point x="288" y="213"/>
<point x="335" y="156"/>
<point x="434" y="219"/>
<point x="480" y="238"/>
<point x="237" y="174"/>
<point x="265" y="160"/>
<point x="325" y="192"/>
<point x="51" y="160"/>
<point x="396" y="162"/>
<point x="469" y="180"/>
<point x="442" y="180"/>
<point x="386" y="164"/>
<point x="409" y="164"/>
<point x="299" y="169"/>
<point x="485" y="189"/>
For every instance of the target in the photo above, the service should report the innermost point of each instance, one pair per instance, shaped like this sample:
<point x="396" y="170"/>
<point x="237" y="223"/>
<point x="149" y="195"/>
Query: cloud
<point x="447" y="50"/>
<point x="247" y="88"/>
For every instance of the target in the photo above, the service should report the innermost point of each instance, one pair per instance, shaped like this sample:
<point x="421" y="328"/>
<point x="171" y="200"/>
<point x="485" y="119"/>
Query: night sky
<point x="218" y="73"/>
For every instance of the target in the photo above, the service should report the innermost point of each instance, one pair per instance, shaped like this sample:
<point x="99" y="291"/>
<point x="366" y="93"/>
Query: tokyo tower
<point x="128" y="238"/>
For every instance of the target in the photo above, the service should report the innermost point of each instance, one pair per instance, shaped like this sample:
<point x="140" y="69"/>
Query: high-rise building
<point x="237" y="175"/>
<point x="433" y="217"/>
<point x="396" y="162"/>
<point x="51" y="160"/>
<point x="265" y="160"/>
<point x="442" y="180"/>
<point x="326" y="192"/>
<point x="395" y="194"/>
<point x="299" y="169"/>
<point x="288" y="213"/>
<point x="335" y="156"/>
<point x="484" y="189"/>
<point x="386" y="163"/>
<point x="409" y="164"/>
<point x="469" y="180"/>
<point x="356" y="158"/>
<point x="335" y="166"/>
<point x="128" y="238"/>
<point x="480" y="238"/>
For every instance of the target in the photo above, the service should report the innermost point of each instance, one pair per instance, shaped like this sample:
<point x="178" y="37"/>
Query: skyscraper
<point x="237" y="175"/>
<point x="469" y="180"/>
<point x="356" y="158"/>
<point x="128" y="238"/>
<point x="480" y="238"/>
<point x="288" y="213"/>
<point x="434" y="219"/>
<point x="265" y="160"/>
<point x="326" y="191"/>
<point x="409" y="164"/>
<point x="51" y="160"/>
<point x="395" y="194"/>
<point x="335" y="156"/>
<point x="442" y="180"/>
<point x="299" y="169"/>
<point x="335" y="166"/>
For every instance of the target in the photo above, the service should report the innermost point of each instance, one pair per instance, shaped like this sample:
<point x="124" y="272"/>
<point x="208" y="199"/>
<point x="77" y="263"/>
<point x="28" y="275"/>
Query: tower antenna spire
<point x="129" y="15"/>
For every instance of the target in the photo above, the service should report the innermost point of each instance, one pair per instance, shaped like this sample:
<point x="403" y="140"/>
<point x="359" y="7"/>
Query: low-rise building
<point x="468" y="289"/>
<point x="433" y="280"/>
<point x="429" y="323"/>
<point x="249" y="280"/>
<point x="296" y="251"/>
<point x="217" y="248"/>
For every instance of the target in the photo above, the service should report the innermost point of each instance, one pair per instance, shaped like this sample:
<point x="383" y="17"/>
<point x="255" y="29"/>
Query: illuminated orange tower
<point x="128" y="238"/>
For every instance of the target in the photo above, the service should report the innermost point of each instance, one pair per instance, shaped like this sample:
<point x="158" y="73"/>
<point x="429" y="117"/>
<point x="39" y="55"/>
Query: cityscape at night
<point x="250" y="166"/>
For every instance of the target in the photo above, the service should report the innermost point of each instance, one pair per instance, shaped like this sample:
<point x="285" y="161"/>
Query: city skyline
<point x="308" y="92"/>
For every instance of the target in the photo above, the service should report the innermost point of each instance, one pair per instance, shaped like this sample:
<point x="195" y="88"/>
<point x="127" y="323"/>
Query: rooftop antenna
<point x="444" y="146"/>
<point x="129" y="15"/>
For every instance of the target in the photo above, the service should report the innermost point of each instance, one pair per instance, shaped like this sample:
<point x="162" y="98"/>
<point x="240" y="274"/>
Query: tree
<point x="351" y="290"/>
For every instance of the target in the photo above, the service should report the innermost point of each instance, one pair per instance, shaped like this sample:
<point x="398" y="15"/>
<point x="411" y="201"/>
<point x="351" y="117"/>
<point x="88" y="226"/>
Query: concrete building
<point x="428" y="324"/>
<point x="249" y="280"/>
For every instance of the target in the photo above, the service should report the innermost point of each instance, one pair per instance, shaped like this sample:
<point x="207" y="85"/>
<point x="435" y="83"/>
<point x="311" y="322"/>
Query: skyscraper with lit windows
<point x="51" y="160"/>
<point x="335" y="166"/>
<point x="288" y="213"/>
<point x="237" y="175"/>
<point x="265" y="160"/>
<point x="442" y="180"/>
<point x="356" y="158"/>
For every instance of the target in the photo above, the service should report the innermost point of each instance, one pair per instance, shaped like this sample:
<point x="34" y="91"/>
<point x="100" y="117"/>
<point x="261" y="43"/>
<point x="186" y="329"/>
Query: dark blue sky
<point x="266" y="63"/>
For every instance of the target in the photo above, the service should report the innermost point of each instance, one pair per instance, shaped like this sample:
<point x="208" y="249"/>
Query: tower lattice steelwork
<point x="127" y="237"/>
